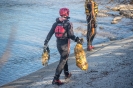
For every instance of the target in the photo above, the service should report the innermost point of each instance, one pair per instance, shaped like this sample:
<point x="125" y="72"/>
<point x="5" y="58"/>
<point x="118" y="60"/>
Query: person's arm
<point x="70" y="32"/>
<point x="51" y="32"/>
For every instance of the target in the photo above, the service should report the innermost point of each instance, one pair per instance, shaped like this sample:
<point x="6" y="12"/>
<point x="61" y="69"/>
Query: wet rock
<point x="101" y="28"/>
<point x="127" y="13"/>
<point x="125" y="10"/>
<point x="115" y="9"/>
<point x="116" y="19"/>
<point x="112" y="38"/>
<point x="123" y="7"/>
<point x="114" y="22"/>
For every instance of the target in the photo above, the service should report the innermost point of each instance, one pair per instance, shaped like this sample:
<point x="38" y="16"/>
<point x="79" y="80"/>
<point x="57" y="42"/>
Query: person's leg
<point x="92" y="38"/>
<point x="88" y="40"/>
<point x="63" y="59"/>
<point x="93" y="33"/>
<point x="89" y="36"/>
<point x="59" y="69"/>
<point x="62" y="63"/>
<point x="88" y="33"/>
<point x="66" y="72"/>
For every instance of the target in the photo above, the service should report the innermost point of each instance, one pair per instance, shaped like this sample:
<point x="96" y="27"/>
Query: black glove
<point x="76" y="39"/>
<point x="79" y="40"/>
<point x="45" y="48"/>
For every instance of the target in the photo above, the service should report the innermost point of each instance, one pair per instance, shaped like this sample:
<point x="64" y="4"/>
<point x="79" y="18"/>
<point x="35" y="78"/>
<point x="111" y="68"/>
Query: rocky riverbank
<point x="110" y="66"/>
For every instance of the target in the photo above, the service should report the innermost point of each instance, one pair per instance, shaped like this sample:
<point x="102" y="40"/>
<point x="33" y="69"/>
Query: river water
<point x="24" y="25"/>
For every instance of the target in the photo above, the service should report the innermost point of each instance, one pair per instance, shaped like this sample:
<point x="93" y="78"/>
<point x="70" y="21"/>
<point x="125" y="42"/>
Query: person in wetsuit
<point x="91" y="10"/>
<point x="63" y="36"/>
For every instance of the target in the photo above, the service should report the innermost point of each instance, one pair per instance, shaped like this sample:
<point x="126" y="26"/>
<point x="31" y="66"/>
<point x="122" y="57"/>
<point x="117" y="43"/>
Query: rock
<point x="122" y="7"/>
<point x="101" y="27"/>
<point x="114" y="22"/>
<point x="116" y="19"/>
<point x="112" y="38"/>
<point x="125" y="10"/>
<point x="115" y="9"/>
<point x="127" y="13"/>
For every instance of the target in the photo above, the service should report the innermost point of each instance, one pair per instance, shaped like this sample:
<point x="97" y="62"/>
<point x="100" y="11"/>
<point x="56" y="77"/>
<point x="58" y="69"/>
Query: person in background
<point x="63" y="31"/>
<point x="91" y="10"/>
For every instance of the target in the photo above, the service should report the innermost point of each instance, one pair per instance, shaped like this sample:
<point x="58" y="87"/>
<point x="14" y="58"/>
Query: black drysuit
<point x="63" y="45"/>
<point x="91" y="23"/>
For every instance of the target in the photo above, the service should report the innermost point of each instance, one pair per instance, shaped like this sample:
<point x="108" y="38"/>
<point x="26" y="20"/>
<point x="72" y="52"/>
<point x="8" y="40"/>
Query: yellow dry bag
<point x="80" y="56"/>
<point x="45" y="56"/>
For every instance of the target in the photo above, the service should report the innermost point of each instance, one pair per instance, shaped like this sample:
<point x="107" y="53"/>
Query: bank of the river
<point x="110" y="66"/>
<point x="24" y="25"/>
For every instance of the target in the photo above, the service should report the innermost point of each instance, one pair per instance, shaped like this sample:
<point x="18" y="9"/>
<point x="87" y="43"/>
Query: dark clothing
<point x="64" y="53"/>
<point x="63" y="45"/>
<point x="91" y="25"/>
<point x="90" y="35"/>
<point x="68" y="27"/>
<point x="89" y="7"/>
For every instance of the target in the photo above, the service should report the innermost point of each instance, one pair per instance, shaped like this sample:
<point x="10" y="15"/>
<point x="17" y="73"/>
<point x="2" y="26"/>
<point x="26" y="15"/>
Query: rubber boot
<point x="92" y="47"/>
<point x="89" y="48"/>
<point x="68" y="76"/>
<point x="56" y="81"/>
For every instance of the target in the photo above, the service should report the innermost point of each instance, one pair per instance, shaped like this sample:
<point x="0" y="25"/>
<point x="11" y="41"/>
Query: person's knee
<point x="64" y="57"/>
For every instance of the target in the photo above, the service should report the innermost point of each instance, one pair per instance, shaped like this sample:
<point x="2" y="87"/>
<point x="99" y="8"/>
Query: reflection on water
<point x="24" y="25"/>
<point x="7" y="52"/>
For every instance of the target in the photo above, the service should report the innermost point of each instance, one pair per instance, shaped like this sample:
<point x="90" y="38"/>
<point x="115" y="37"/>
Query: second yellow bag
<point x="80" y="56"/>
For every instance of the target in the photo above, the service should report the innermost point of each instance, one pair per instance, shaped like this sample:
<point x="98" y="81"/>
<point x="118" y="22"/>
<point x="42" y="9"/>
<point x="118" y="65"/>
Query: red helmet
<point x="64" y="12"/>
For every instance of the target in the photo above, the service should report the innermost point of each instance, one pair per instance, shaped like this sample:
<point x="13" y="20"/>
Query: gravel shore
<point x="110" y="66"/>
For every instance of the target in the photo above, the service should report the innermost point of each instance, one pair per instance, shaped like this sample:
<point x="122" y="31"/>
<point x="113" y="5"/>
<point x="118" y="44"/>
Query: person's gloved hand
<point x="79" y="40"/>
<point x="76" y="39"/>
<point x="45" y="48"/>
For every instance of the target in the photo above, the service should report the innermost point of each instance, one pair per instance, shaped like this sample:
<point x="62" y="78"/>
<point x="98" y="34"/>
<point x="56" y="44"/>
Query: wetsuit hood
<point x="58" y="20"/>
